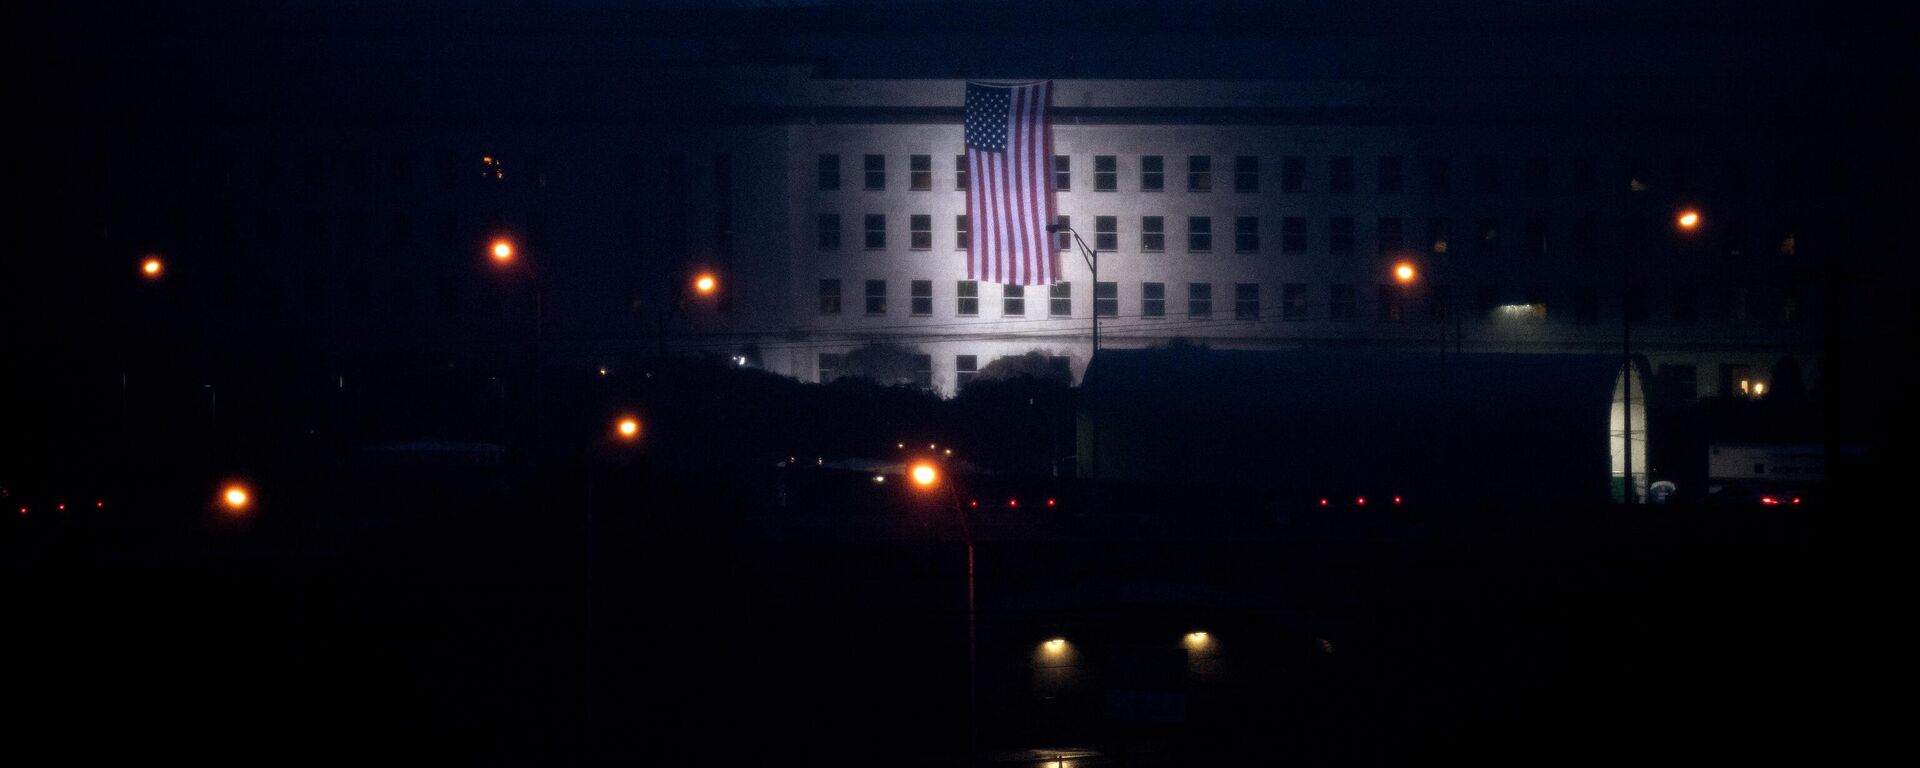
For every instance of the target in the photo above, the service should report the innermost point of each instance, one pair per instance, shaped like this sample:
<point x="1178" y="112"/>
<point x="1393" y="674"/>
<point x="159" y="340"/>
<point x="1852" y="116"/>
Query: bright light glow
<point x="1325" y="502"/>
<point x="1796" y="499"/>
<point x="1013" y="502"/>
<point x="1396" y="499"/>
<point x="152" y="266"/>
<point x="1362" y="501"/>
<point x="1689" y="219"/>
<point x="1523" y="311"/>
<point x="61" y="507"/>
<point x="705" y="284"/>
<point x="879" y="478"/>
<point x="603" y="370"/>
<point x="1056" y="645"/>
<point x="23" y="510"/>
<point x="1049" y="502"/>
<point x="924" y="475"/>
<point x="1404" y="272"/>
<point x="502" y="250"/>
<point x="628" y="428"/>
<point x="949" y="451"/>
<point x="1769" y="500"/>
<point x="102" y="504"/>
<point x="1759" y="388"/>
<point x="974" y="503"/>
<point x="236" y="497"/>
<point x="1198" y="640"/>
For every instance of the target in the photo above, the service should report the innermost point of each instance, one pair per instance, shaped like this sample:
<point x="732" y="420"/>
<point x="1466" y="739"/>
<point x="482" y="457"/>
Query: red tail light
<point x="974" y="503"/>
<point x="1796" y="499"/>
<point x="1362" y="501"/>
<point x="1324" y="502"/>
<point x="1769" y="500"/>
<point x="99" y="504"/>
<point x="1013" y="502"/>
<point x="1396" y="499"/>
<point x="1049" y="502"/>
<point x="62" y="507"/>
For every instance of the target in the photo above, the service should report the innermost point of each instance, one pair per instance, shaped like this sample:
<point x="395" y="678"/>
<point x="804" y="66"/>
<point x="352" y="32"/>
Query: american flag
<point x="1010" y="184"/>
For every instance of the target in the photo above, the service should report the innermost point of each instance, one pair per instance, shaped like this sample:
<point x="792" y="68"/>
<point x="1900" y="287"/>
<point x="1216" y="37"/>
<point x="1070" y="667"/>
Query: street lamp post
<point x="505" y="255"/>
<point x="925" y="476"/>
<point x="702" y="285"/>
<point x="1092" y="258"/>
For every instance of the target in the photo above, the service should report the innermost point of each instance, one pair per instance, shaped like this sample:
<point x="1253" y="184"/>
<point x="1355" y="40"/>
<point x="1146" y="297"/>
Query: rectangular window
<point x="920" y="172"/>
<point x="1199" y="173"/>
<point x="829" y="228"/>
<point x="962" y="239"/>
<point x="923" y="371"/>
<point x="1106" y="233"/>
<point x="1199" y="234"/>
<point x="876" y="171"/>
<point x="1060" y="299"/>
<point x="1153" y="234"/>
<point x="1246" y="174"/>
<point x="1340" y="236"/>
<point x="1486" y="236"/>
<point x="1293" y="234"/>
<point x="960" y="172"/>
<point x="1063" y="240"/>
<point x="1200" y="300"/>
<point x="876" y="231"/>
<point x="1439" y="175"/>
<point x="969" y="303"/>
<point x="1153" y="299"/>
<point x="1389" y="238"/>
<point x="1439" y="235"/>
<point x="1246" y="234"/>
<point x="1013" y="300"/>
<point x="1392" y="180"/>
<point x="1486" y="173"/>
<point x="876" y="297"/>
<point x="1392" y="302"/>
<point x="1293" y="301"/>
<point x="1153" y="176"/>
<point x="920" y="297"/>
<point x="829" y="366"/>
<point x="1246" y="301"/>
<point x="1340" y="174"/>
<point x="1340" y="304"/>
<point x="829" y="172"/>
<point x="1106" y="173"/>
<point x="829" y="297"/>
<point x="920" y="232"/>
<point x="1293" y="174"/>
<point x="1062" y="173"/>
<point x="965" y="368"/>
<point x="1106" y="299"/>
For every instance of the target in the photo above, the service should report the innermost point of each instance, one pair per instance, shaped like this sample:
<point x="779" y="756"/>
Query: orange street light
<point x="1688" y="220"/>
<point x="1404" y="272"/>
<point x="627" y="428"/>
<point x="705" y="284"/>
<point x="924" y="474"/>
<point x="152" y="267"/>
<point x="501" y="251"/>
<point x="236" y="498"/>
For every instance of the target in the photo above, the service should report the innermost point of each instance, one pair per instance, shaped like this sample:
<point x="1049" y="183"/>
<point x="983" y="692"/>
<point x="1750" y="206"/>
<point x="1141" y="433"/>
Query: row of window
<point x="1391" y="234"/>
<point x="1339" y="174"/>
<point x="965" y="368"/>
<point x="1394" y="302"/>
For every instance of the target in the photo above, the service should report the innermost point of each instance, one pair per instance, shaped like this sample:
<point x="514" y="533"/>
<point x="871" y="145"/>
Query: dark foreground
<point x="462" y="628"/>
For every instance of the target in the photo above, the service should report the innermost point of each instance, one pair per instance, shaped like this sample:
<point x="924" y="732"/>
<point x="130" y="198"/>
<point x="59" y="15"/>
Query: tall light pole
<point x="1092" y="258"/>
<point x="926" y="476"/>
<point x="505" y="255"/>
